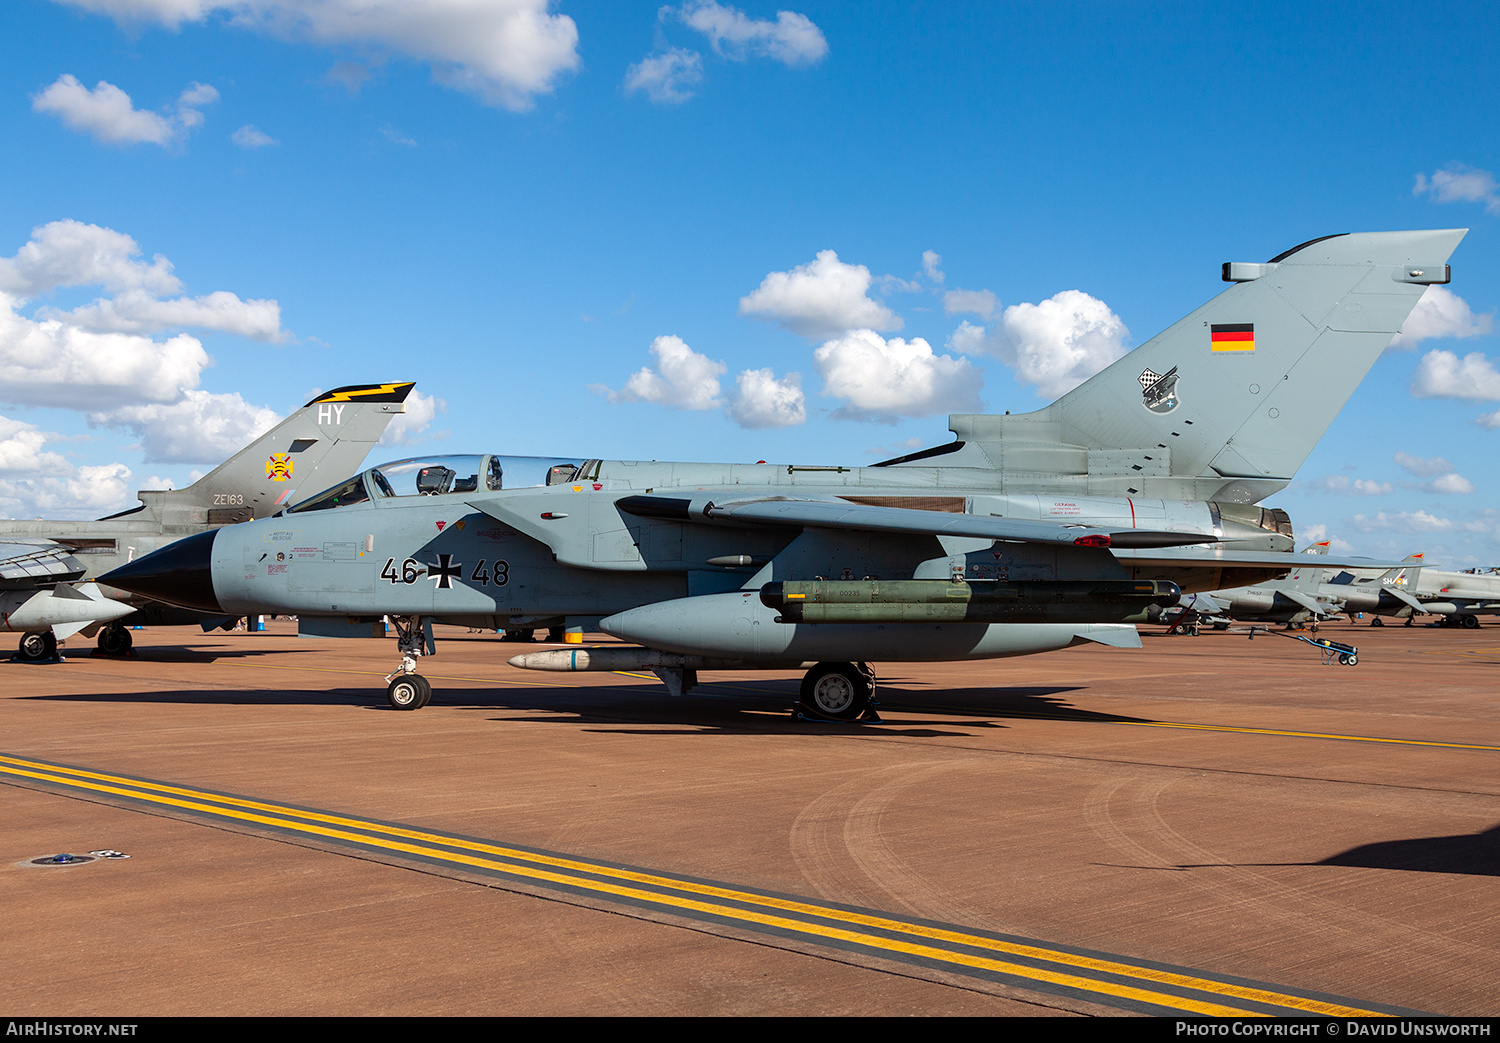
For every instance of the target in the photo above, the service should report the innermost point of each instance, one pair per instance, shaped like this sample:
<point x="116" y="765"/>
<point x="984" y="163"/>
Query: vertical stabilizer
<point x="1228" y="402"/>
<point x="317" y="446"/>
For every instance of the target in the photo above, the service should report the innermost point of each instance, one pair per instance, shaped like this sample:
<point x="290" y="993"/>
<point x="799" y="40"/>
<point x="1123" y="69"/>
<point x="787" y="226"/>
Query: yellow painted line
<point x="414" y="842"/>
<point x="1309" y="735"/>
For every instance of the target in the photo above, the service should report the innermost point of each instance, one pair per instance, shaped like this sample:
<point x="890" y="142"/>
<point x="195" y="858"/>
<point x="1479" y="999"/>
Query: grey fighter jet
<point x="323" y="441"/>
<point x="1026" y="533"/>
<point x="39" y="601"/>
<point x="1295" y="599"/>
<point x="1460" y="598"/>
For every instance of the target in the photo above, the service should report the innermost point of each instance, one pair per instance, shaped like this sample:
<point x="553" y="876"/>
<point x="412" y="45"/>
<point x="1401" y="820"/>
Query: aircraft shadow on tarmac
<point x="1474" y="854"/>
<point x="174" y="654"/>
<point x="730" y="707"/>
<point x="231" y="697"/>
<point x="1469" y="854"/>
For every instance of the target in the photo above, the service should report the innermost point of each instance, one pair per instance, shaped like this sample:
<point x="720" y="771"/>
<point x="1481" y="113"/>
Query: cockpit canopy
<point x="442" y="475"/>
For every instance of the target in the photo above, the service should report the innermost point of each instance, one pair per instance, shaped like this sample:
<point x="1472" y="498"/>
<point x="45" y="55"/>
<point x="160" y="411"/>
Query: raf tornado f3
<point x="322" y="442"/>
<point x="1025" y="534"/>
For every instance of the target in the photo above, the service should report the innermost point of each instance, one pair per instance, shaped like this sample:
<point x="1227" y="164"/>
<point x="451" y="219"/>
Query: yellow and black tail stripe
<point x="366" y="393"/>
<point x="1096" y="977"/>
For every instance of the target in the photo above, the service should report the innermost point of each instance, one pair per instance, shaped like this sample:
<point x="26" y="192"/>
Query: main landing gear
<point x="405" y="688"/>
<point x="115" y="640"/>
<point x="838" y="692"/>
<point x="37" y="646"/>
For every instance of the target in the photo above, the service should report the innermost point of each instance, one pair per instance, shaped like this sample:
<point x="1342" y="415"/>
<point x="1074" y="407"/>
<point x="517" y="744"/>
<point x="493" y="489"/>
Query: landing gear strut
<point x="838" y="692"/>
<point x="405" y="688"/>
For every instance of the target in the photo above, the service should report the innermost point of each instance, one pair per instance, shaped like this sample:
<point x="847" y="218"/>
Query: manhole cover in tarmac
<point x="60" y="860"/>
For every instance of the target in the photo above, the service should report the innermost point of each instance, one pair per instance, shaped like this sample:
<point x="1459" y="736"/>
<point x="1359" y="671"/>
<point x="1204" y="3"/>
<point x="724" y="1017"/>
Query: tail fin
<point x="317" y="446"/>
<point x="1228" y="402"/>
<point x="1406" y="575"/>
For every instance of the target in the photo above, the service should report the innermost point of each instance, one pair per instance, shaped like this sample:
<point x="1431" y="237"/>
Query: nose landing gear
<point x="405" y="688"/>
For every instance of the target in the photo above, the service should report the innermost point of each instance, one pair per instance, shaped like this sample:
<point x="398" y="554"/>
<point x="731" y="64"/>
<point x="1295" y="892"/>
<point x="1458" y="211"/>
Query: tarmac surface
<point x="1205" y="825"/>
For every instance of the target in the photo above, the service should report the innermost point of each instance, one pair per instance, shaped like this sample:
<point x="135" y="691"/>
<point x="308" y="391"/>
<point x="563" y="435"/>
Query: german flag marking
<point x="1097" y="977"/>
<point x="1232" y="336"/>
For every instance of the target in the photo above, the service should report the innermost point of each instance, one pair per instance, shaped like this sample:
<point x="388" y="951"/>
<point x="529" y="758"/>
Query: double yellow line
<point x="1098" y="977"/>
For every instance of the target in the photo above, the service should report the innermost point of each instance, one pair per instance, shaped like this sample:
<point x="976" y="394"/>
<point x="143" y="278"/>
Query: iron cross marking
<point x="445" y="570"/>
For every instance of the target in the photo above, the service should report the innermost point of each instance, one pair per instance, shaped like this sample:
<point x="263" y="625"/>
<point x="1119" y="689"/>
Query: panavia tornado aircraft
<point x="1026" y="533"/>
<point x="38" y="600"/>
<point x="322" y="442"/>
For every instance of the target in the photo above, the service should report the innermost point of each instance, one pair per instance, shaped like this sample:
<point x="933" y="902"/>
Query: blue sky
<point x="522" y="206"/>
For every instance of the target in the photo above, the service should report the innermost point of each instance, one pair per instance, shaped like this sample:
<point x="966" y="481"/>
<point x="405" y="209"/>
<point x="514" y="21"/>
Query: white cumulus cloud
<point x="1459" y="183"/>
<point x="1422" y="467"/>
<point x="85" y="493"/>
<point x="1448" y="483"/>
<point x="1441" y="313"/>
<point x="138" y="312"/>
<point x="792" y="38"/>
<point x="1444" y="479"/>
<point x="1408" y="521"/>
<point x="21" y="450"/>
<point x="107" y="113"/>
<point x="49" y="363"/>
<point x="1341" y="483"/>
<point x="682" y="379"/>
<point x="668" y="78"/>
<point x="823" y="297"/>
<point x="760" y="400"/>
<point x="200" y="427"/>
<point x="1442" y="374"/>
<point x="932" y="265"/>
<point x="973" y="302"/>
<point x="101" y="358"/>
<point x="250" y="136"/>
<point x="1056" y="344"/>
<point x="505" y="52"/>
<point x="71" y="253"/>
<point x="412" y="424"/>
<point x="881" y="379"/>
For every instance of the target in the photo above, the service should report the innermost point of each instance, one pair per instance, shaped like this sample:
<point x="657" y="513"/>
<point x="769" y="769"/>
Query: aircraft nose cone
<point x="179" y="574"/>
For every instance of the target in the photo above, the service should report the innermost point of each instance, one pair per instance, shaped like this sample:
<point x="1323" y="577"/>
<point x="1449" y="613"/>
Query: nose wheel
<point x="408" y="692"/>
<point x="838" y="692"/>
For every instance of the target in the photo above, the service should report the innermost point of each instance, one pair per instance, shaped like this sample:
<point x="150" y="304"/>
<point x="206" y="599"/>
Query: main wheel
<point x="115" y="640"/>
<point x="837" y="691"/>
<point x="1469" y="622"/>
<point x="408" y="692"/>
<point x="1377" y="622"/>
<point x="37" y="645"/>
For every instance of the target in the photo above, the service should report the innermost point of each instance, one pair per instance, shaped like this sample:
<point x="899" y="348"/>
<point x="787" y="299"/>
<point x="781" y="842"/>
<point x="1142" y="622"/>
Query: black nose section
<point x="180" y="574"/>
